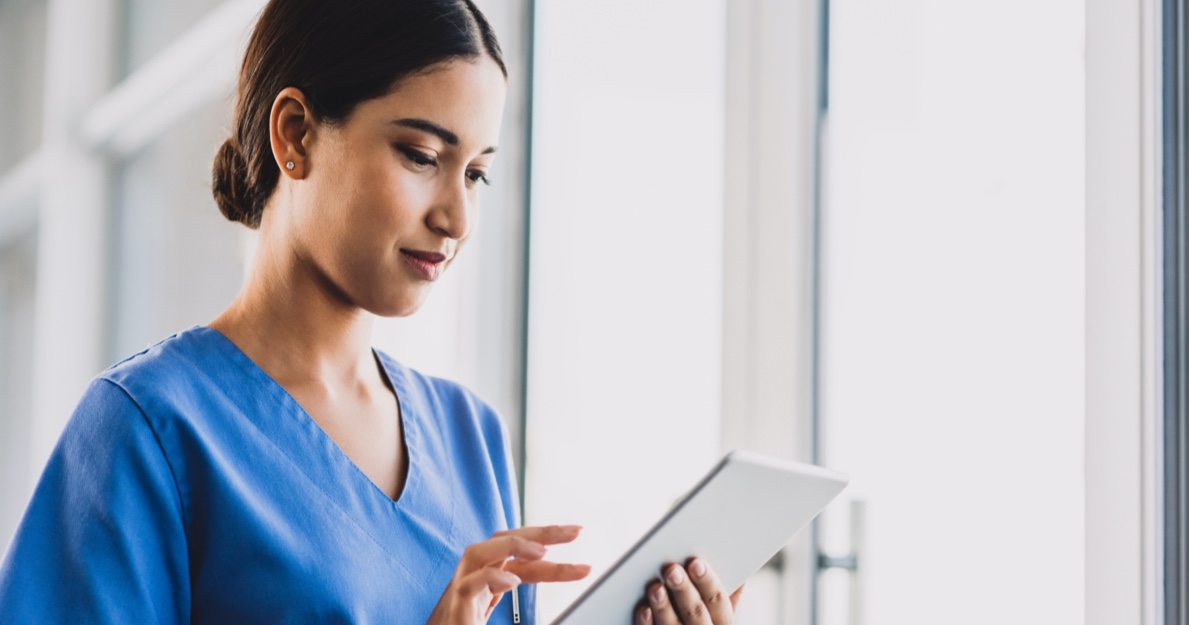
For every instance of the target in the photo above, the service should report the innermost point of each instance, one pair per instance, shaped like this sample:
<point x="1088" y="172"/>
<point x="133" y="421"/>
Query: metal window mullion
<point x="1119" y="395"/>
<point x="522" y="439"/>
<point x="1173" y="183"/>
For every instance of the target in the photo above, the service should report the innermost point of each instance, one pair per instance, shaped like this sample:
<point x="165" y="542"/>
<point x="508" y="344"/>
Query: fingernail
<point x="675" y="576"/>
<point x="697" y="568"/>
<point x="646" y="615"/>
<point x="657" y="595"/>
<point x="537" y="549"/>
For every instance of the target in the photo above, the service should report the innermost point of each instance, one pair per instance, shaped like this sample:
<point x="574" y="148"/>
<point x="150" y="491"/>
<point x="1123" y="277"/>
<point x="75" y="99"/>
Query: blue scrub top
<point x="191" y="487"/>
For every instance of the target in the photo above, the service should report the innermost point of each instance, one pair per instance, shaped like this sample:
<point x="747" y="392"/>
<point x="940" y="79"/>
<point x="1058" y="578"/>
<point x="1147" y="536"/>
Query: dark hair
<point x="339" y="53"/>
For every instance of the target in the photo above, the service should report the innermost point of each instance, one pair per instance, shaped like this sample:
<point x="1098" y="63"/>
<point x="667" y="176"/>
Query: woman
<point x="271" y="467"/>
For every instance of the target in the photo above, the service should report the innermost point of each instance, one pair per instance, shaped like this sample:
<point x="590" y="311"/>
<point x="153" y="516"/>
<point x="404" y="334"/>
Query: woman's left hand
<point x="690" y="595"/>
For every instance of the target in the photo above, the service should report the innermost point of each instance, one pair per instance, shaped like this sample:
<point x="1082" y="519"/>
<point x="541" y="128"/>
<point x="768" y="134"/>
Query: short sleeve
<point x="103" y="539"/>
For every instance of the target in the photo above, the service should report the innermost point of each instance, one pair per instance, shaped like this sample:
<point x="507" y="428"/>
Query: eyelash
<point x="421" y="159"/>
<point x="478" y="176"/>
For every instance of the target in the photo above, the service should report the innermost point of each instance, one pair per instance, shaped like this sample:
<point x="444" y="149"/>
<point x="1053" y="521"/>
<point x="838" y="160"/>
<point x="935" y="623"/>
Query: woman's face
<point x="388" y="198"/>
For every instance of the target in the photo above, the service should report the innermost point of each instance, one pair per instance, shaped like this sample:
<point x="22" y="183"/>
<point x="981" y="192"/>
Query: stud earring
<point x="289" y="165"/>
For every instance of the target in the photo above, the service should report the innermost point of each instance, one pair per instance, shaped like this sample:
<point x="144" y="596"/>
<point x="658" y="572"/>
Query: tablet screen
<point x="737" y="517"/>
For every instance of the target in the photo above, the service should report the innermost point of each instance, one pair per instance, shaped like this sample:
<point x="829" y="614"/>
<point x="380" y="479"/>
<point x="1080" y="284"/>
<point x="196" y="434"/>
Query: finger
<point x="493" y="580"/>
<point x="735" y="597"/>
<point x="538" y="571"/>
<point x="492" y="605"/>
<point x="545" y="534"/>
<point x="497" y="550"/>
<point x="710" y="589"/>
<point x="660" y="608"/>
<point x="643" y="615"/>
<point x="685" y="598"/>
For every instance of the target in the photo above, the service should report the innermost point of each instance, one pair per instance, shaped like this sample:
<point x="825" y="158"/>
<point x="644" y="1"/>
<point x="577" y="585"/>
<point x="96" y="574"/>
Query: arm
<point x="103" y="538"/>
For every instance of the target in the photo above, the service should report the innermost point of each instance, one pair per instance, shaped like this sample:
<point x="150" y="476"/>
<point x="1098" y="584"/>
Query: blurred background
<point x="920" y="242"/>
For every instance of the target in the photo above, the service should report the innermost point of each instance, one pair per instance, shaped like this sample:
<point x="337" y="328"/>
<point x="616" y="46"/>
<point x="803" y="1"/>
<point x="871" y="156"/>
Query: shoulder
<point x="167" y="363"/>
<point x="177" y="379"/>
<point x="192" y="360"/>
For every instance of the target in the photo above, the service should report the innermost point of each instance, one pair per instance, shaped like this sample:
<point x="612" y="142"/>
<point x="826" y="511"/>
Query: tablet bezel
<point x="828" y="485"/>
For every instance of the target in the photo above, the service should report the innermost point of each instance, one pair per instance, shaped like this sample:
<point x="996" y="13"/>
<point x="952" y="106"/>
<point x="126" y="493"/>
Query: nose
<point x="452" y="213"/>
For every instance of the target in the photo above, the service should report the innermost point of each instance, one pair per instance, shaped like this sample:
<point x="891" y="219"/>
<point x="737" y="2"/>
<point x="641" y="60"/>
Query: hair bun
<point x="230" y="186"/>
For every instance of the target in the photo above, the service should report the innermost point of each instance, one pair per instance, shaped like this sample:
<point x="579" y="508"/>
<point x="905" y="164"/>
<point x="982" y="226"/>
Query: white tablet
<point x="736" y="518"/>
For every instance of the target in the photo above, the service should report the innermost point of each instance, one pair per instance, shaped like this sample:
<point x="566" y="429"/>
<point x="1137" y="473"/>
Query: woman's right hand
<point x="497" y="565"/>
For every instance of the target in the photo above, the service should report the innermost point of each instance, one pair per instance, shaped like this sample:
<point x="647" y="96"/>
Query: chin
<point x="399" y="308"/>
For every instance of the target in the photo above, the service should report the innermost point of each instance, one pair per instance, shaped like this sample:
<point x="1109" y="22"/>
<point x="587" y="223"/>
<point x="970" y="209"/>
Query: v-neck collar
<point x="341" y="465"/>
<point x="280" y="418"/>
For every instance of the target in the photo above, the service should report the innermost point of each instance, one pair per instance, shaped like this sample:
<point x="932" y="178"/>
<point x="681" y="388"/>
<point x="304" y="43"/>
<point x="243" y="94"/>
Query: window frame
<point x="1174" y="277"/>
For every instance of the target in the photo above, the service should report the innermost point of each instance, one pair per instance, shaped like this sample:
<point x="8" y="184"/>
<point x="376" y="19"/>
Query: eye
<point x="476" y="175"/>
<point x="416" y="157"/>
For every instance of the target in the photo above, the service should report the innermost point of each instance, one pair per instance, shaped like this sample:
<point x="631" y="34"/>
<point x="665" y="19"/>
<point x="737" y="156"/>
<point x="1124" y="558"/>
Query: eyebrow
<point x="426" y="125"/>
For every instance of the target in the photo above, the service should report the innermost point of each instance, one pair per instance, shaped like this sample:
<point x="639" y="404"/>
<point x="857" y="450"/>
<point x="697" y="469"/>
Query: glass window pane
<point x="626" y="269"/>
<point x="176" y="260"/>
<point x="151" y="25"/>
<point x="953" y="310"/>
<point x="17" y="289"/>
<point x="22" y="78"/>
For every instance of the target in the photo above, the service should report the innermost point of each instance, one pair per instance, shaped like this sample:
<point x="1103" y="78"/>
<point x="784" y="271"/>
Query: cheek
<point x="364" y="205"/>
<point x="391" y="195"/>
<point x="379" y="213"/>
<point x="377" y="202"/>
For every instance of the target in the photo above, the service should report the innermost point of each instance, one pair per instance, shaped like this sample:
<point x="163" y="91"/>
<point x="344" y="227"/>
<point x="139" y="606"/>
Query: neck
<point x="295" y="325"/>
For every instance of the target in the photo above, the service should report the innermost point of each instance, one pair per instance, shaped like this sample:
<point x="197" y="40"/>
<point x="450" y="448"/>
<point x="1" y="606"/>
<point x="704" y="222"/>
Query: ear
<point x="290" y="123"/>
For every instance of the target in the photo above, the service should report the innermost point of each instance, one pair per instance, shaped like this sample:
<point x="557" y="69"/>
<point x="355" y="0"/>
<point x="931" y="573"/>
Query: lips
<point x="428" y="265"/>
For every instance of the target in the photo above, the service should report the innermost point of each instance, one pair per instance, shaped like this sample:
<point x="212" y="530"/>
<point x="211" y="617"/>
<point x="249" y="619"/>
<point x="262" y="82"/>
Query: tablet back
<point x="741" y="514"/>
